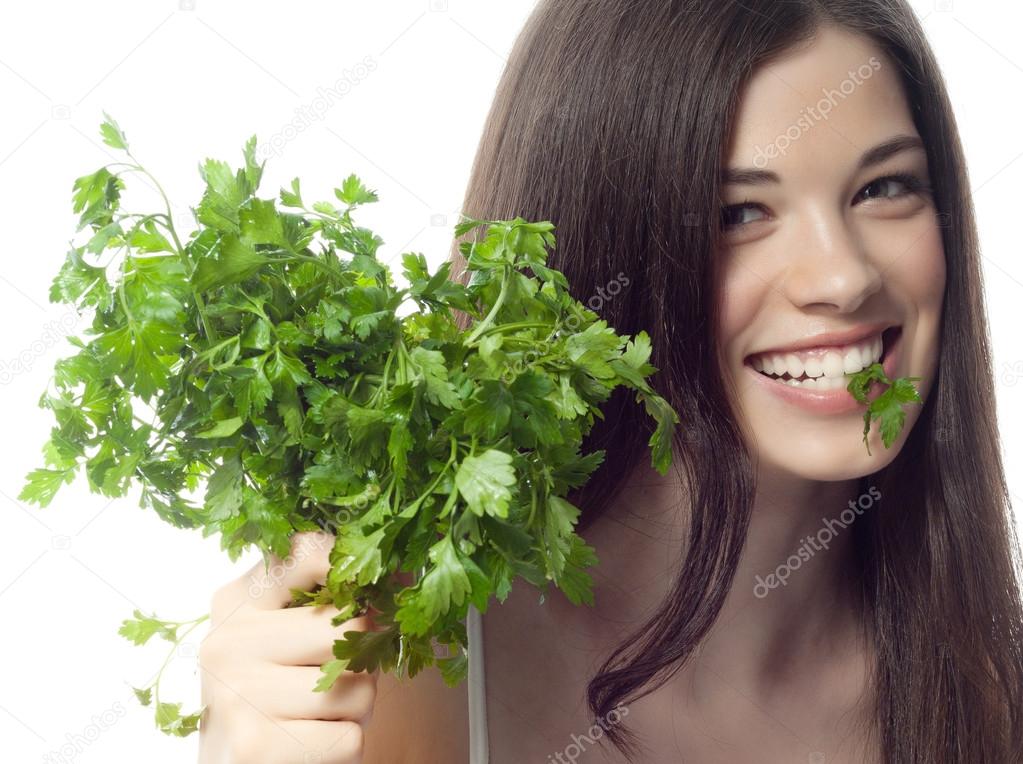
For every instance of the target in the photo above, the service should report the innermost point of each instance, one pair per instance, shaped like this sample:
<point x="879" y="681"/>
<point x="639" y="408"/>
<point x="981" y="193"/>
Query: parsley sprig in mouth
<point x="889" y="407"/>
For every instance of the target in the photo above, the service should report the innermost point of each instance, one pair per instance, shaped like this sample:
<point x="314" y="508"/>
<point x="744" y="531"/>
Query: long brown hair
<point x="611" y="120"/>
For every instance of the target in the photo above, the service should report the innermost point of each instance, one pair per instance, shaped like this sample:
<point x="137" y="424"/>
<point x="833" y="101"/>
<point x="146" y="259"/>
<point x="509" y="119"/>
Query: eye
<point x="733" y="211"/>
<point x="735" y="215"/>
<point x="910" y="184"/>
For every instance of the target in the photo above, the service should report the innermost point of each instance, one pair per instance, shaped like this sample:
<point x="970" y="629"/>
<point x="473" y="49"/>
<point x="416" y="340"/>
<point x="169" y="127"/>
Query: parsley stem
<point x="449" y="506"/>
<point x="200" y="305"/>
<point x="453" y="496"/>
<point x="403" y="356"/>
<point x="122" y="298"/>
<point x="492" y="315"/>
<point x="516" y="326"/>
<point x="355" y="384"/>
<point x="387" y="365"/>
<point x="155" y="684"/>
<point x="212" y="351"/>
<point x="429" y="491"/>
<point x="319" y="262"/>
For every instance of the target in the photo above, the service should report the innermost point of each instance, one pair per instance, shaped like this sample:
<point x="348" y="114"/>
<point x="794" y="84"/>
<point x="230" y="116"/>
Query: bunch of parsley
<point x="264" y="364"/>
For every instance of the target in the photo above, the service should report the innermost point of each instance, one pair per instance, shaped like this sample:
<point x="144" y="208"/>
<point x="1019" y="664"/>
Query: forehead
<point x="824" y="102"/>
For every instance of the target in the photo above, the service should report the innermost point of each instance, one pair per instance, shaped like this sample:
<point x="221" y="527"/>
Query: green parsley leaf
<point x="112" y="134"/>
<point x="484" y="482"/>
<point x="889" y="407"/>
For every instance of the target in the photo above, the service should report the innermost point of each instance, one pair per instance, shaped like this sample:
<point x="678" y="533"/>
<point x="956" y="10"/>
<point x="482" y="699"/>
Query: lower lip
<point x="838" y="401"/>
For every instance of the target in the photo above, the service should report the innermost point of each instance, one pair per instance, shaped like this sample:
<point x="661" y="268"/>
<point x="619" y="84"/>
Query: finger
<point x="299" y="741"/>
<point x="304" y="636"/>
<point x="287" y="693"/>
<point x="305" y="567"/>
<point x="308" y="741"/>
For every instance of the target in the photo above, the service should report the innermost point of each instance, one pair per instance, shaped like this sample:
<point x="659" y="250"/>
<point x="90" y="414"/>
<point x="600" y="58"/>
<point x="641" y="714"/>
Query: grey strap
<point x="479" y="749"/>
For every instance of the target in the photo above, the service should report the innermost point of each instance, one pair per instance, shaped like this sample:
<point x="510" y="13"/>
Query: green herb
<point x="887" y="408"/>
<point x="300" y="390"/>
<point x="138" y="630"/>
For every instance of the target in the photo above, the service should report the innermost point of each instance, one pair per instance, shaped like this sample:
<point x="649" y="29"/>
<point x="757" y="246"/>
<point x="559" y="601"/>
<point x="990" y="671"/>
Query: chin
<point x="826" y="452"/>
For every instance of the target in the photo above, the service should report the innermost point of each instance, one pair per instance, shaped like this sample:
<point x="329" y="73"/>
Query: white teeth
<point x="837" y="383"/>
<point x="833" y="365"/>
<point x="824" y="372"/>
<point x="852" y="361"/>
<point x="795" y="366"/>
<point x="819" y="383"/>
<point x="813" y="367"/>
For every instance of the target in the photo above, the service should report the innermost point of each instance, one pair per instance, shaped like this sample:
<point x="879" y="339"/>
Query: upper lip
<point x="829" y="339"/>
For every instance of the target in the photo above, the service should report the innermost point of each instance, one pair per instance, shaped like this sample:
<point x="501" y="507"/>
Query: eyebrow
<point x="874" y="156"/>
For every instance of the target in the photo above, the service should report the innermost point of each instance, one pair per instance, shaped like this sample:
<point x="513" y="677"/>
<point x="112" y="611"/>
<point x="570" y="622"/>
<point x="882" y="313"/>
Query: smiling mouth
<point x="825" y="369"/>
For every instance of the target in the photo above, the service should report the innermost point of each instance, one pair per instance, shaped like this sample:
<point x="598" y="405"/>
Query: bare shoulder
<point x="418" y="721"/>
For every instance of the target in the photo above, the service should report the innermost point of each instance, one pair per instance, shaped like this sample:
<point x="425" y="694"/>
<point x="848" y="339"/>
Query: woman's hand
<point x="259" y="663"/>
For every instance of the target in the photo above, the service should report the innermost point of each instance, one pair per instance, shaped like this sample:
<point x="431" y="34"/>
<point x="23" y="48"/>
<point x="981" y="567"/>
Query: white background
<point x="196" y="80"/>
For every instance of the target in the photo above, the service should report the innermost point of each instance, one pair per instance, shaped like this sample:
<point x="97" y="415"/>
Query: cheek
<point x="914" y="265"/>
<point x="915" y="275"/>
<point x="741" y="297"/>
<point x="933" y="269"/>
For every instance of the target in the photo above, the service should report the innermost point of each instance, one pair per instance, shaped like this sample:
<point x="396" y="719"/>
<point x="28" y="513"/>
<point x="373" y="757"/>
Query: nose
<point x="830" y="265"/>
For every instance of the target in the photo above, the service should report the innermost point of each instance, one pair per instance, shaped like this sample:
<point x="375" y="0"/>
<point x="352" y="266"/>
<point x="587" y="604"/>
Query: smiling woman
<point x="785" y="187"/>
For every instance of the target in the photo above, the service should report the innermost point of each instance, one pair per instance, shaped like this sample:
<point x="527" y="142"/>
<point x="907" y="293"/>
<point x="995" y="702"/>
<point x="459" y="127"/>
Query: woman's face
<point x="829" y="263"/>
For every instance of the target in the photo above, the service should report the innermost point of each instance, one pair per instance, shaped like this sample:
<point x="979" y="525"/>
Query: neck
<point x="794" y="594"/>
